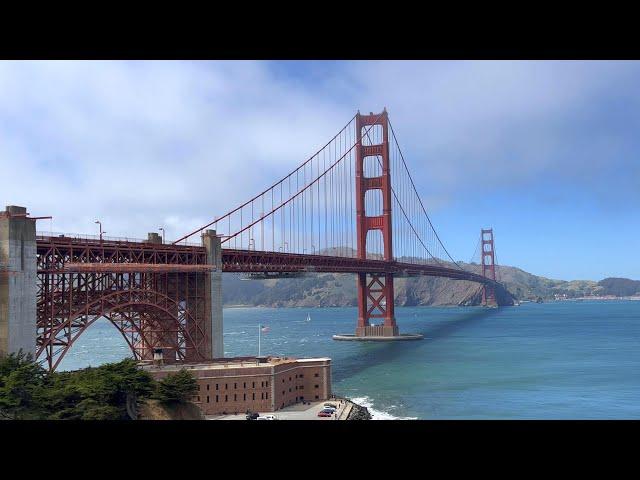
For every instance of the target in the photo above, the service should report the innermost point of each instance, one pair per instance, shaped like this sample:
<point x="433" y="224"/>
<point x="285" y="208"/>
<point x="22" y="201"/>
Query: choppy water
<point x="562" y="360"/>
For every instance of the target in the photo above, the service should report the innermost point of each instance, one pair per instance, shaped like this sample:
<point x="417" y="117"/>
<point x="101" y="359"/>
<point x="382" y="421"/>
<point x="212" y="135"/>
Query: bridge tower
<point x="17" y="281"/>
<point x="488" y="266"/>
<point x="213" y="295"/>
<point x="375" y="291"/>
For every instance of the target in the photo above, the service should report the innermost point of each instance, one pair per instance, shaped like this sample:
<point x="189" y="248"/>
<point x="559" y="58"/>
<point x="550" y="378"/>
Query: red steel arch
<point x="167" y="328"/>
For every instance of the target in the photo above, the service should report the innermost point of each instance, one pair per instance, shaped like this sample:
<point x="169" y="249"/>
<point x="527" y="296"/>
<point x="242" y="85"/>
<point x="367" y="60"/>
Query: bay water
<point x="558" y="360"/>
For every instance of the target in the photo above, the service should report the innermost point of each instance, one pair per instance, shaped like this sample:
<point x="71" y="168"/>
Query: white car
<point x="267" y="417"/>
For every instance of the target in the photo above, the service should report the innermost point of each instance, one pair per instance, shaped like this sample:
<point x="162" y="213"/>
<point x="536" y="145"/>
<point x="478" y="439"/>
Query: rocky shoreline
<point x="358" y="412"/>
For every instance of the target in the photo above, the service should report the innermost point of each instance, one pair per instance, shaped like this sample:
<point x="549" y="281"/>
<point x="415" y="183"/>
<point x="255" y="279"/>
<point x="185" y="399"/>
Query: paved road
<point x="293" y="412"/>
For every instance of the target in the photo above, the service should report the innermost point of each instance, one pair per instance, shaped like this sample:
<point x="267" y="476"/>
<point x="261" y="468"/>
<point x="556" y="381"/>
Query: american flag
<point x="264" y="328"/>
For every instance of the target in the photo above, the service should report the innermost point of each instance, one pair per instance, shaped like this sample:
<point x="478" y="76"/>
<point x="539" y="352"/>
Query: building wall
<point x="234" y="390"/>
<point x="303" y="381"/>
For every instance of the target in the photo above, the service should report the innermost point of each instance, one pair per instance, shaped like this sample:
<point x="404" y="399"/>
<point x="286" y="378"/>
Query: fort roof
<point x="232" y="362"/>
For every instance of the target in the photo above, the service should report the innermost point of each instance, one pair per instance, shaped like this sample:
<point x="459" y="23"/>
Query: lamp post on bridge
<point x="162" y="229"/>
<point x="100" y="224"/>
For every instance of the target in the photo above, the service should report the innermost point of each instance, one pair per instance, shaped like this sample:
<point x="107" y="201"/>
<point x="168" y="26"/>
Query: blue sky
<point x="546" y="153"/>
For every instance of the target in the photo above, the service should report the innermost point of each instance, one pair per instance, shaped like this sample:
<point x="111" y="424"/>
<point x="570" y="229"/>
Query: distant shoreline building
<point x="258" y="384"/>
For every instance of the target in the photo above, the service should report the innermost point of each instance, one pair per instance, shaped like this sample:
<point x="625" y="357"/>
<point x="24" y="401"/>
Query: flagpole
<point x="259" y="335"/>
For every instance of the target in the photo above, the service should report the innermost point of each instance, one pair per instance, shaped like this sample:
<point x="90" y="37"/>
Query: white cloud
<point x="144" y="144"/>
<point x="486" y="125"/>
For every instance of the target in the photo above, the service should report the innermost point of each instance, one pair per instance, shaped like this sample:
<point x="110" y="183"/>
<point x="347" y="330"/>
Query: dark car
<point x="252" y="415"/>
<point x="325" y="413"/>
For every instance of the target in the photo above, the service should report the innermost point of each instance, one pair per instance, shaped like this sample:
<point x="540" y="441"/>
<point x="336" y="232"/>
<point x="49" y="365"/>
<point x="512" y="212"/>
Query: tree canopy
<point x="27" y="391"/>
<point x="179" y="387"/>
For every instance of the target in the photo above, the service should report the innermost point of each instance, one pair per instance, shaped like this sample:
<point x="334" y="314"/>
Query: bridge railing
<point x="42" y="235"/>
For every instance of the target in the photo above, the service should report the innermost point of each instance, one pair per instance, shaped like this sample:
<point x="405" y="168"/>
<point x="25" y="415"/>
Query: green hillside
<point x="327" y="290"/>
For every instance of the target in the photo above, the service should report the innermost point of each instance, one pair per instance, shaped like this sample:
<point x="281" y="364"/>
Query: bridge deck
<point x="77" y="251"/>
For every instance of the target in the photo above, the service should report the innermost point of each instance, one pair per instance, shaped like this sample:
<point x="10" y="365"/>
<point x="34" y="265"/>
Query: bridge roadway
<point x="65" y="254"/>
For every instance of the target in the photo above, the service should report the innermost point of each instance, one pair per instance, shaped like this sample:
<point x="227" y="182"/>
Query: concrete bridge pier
<point x="18" y="276"/>
<point x="213" y="296"/>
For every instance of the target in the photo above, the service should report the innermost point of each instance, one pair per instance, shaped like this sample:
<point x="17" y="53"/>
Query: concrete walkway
<point x="346" y="410"/>
<point x="297" y="412"/>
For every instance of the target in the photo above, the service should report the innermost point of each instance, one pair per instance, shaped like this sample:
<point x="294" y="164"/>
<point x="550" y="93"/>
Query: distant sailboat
<point x="308" y="317"/>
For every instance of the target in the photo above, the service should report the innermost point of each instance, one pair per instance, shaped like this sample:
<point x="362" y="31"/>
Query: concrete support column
<point x="18" y="277"/>
<point x="153" y="237"/>
<point x="214" y="291"/>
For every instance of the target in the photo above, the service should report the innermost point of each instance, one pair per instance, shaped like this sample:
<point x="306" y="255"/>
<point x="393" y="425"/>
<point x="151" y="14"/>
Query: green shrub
<point x="21" y="387"/>
<point x="28" y="391"/>
<point x="178" y="387"/>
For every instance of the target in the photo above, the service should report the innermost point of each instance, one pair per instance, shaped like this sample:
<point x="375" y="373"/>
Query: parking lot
<point x="298" y="412"/>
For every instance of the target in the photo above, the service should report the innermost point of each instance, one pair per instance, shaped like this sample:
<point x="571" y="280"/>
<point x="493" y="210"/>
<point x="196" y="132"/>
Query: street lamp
<point x="162" y="229"/>
<point x="100" y="224"/>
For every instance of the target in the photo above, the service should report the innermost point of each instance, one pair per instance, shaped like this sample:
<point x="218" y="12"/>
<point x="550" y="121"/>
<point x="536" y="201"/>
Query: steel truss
<point x="151" y="309"/>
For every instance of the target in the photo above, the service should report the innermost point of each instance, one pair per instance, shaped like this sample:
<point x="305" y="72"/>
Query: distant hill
<point x="620" y="287"/>
<point x="328" y="290"/>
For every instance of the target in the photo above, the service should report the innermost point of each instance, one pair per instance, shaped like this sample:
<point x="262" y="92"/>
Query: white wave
<point x="378" y="414"/>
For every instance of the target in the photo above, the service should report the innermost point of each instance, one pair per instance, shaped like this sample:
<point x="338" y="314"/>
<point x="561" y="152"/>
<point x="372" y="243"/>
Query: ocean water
<point x="560" y="360"/>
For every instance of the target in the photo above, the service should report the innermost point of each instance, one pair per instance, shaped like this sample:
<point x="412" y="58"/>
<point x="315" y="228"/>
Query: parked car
<point x="325" y="413"/>
<point x="252" y="415"/>
<point x="330" y="405"/>
<point x="267" y="417"/>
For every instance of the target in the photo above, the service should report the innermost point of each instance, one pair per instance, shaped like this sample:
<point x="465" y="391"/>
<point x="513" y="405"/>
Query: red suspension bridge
<point x="352" y="207"/>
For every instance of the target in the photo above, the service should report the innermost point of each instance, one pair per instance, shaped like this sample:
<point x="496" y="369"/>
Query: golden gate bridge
<point x="352" y="207"/>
